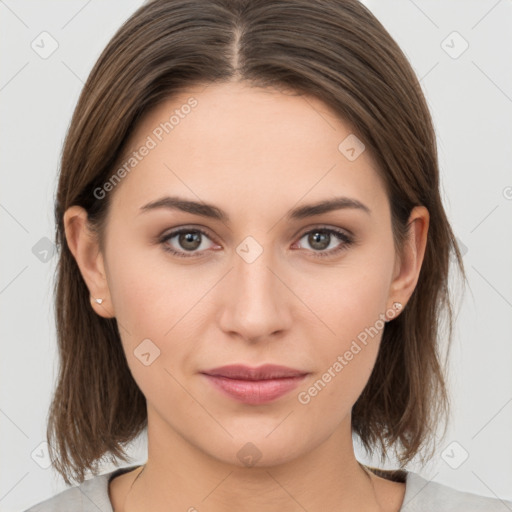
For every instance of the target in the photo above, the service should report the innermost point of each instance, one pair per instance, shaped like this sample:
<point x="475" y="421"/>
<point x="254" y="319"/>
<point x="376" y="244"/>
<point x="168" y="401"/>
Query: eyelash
<point x="340" y="235"/>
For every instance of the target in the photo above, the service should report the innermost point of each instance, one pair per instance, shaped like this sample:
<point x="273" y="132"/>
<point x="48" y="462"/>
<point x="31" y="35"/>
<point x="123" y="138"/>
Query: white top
<point x="421" y="495"/>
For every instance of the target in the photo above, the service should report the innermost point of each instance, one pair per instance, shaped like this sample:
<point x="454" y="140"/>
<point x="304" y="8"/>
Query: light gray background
<point x="470" y="98"/>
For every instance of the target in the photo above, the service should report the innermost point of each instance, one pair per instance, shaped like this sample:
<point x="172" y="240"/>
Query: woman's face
<point x="251" y="283"/>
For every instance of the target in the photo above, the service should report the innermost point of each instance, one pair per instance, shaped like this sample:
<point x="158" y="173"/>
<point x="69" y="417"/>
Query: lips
<point x="254" y="385"/>
<point x="265" y="372"/>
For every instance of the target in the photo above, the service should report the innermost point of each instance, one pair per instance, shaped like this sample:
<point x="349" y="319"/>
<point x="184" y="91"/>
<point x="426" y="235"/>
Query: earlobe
<point x="83" y="244"/>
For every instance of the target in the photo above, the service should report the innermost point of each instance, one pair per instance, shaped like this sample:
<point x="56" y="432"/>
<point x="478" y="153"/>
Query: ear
<point x="83" y="244"/>
<point x="408" y="263"/>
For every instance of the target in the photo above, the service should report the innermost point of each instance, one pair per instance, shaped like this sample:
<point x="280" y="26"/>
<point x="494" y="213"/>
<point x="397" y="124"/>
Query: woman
<point x="254" y="266"/>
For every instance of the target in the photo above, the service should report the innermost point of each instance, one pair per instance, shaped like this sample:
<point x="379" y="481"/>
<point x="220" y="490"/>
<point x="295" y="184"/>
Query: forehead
<point x="251" y="147"/>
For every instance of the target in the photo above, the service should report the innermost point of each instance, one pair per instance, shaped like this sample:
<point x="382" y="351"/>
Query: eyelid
<point x="320" y="226"/>
<point x="174" y="231"/>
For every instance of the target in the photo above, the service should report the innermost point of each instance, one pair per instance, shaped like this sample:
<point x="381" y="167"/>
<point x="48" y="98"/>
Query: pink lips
<point x="255" y="385"/>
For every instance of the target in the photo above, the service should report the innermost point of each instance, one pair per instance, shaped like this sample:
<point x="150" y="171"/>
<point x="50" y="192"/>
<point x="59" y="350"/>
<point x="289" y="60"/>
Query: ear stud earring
<point x="397" y="306"/>
<point x="98" y="301"/>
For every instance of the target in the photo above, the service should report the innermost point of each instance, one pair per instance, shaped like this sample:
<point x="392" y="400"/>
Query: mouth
<point x="264" y="372"/>
<point x="255" y="385"/>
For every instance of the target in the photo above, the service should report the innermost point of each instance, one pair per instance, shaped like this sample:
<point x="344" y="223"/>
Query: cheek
<point x="148" y="291"/>
<point x="349" y="299"/>
<point x="344" y="362"/>
<point x="351" y="305"/>
<point x="156" y="310"/>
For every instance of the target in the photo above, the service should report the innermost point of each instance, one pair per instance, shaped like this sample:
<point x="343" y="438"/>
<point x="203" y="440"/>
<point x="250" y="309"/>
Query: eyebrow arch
<point x="209" y="210"/>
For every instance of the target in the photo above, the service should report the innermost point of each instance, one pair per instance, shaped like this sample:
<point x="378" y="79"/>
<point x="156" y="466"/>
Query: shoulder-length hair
<point x="334" y="50"/>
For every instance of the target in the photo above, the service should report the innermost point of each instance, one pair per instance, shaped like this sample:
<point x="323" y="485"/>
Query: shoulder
<point x="90" y="496"/>
<point x="422" y="495"/>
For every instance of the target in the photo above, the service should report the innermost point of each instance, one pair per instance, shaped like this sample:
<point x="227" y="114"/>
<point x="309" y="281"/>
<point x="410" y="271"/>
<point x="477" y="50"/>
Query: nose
<point x="255" y="302"/>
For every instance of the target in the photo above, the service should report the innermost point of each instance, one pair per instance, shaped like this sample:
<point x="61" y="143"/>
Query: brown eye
<point x="189" y="241"/>
<point x="319" y="240"/>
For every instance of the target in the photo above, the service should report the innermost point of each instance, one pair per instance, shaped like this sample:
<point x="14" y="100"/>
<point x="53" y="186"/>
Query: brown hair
<point x="335" y="50"/>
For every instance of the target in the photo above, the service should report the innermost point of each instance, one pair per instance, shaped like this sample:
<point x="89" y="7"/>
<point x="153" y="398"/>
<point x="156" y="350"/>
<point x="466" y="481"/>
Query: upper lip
<point x="264" y="372"/>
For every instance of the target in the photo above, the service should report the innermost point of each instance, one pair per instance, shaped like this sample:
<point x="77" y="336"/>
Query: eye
<point x="321" y="238"/>
<point x="188" y="239"/>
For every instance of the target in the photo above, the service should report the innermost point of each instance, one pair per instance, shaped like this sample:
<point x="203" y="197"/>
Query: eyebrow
<point x="211" y="211"/>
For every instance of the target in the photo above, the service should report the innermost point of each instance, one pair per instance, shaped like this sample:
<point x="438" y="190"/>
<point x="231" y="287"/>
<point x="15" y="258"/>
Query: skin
<point x="255" y="153"/>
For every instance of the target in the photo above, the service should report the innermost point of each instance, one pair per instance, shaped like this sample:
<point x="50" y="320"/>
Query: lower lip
<point x="255" y="391"/>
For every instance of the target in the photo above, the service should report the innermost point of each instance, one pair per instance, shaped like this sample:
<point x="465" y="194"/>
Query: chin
<point x="258" y="450"/>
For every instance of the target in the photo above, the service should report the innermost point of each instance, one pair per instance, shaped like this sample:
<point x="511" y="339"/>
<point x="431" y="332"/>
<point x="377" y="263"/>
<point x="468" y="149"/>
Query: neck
<point x="179" y="476"/>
